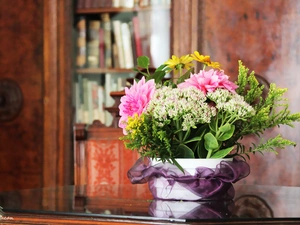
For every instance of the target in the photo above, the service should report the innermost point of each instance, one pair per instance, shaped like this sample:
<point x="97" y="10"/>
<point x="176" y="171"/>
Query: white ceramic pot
<point x="191" y="164"/>
<point x="163" y="189"/>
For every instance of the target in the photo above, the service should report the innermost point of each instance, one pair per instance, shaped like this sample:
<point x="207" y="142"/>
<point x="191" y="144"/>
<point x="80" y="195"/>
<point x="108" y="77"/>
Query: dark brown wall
<point x="265" y="35"/>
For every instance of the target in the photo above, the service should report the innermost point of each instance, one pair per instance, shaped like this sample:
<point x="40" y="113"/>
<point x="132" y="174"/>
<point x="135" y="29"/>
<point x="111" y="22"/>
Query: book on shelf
<point x="127" y="3"/>
<point x="93" y="44"/>
<point x="124" y="3"/>
<point x="89" y="102"/>
<point x="80" y="4"/>
<point x="92" y="95"/>
<point x="101" y="48"/>
<point x="106" y="24"/>
<point x="110" y="86"/>
<point x="85" y="107"/>
<point x="119" y="42"/>
<point x="143" y="3"/>
<point x="127" y="45"/>
<point x="136" y="36"/>
<point x="101" y="102"/>
<point x="87" y="4"/>
<point x="81" y="42"/>
<point x="105" y="3"/>
<point x="133" y="43"/>
<point x="116" y="3"/>
<point x="116" y="63"/>
<point x="77" y="103"/>
<point x="96" y="110"/>
<point x="79" y="100"/>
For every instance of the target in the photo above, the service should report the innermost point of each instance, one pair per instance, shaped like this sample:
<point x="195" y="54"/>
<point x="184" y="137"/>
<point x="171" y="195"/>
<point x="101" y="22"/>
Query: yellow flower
<point x="134" y="123"/>
<point x="215" y="65"/>
<point x="184" y="62"/>
<point x="205" y="59"/>
<point x="201" y="58"/>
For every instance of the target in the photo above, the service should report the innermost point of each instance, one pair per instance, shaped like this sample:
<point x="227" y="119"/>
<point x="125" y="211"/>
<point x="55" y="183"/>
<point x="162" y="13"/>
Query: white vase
<point x="161" y="185"/>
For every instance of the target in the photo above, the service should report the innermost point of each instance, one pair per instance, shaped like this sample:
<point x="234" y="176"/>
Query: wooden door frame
<point x="186" y="33"/>
<point x="57" y="142"/>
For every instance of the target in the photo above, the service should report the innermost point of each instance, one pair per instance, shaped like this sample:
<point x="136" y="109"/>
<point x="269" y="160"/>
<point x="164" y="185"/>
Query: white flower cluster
<point x="187" y="106"/>
<point x="231" y="103"/>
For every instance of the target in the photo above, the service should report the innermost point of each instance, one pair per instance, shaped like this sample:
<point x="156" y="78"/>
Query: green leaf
<point x="143" y="61"/>
<point x="161" y="67"/>
<point x="226" y="127"/>
<point x="185" y="151"/>
<point x="157" y="76"/>
<point x="210" y="142"/>
<point x="200" y="150"/>
<point x="201" y="131"/>
<point x="141" y="72"/>
<point x="212" y="125"/>
<point x="193" y="139"/>
<point x="228" y="134"/>
<point x="221" y="153"/>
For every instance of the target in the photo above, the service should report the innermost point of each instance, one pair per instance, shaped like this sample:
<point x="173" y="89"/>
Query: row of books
<point x="112" y="43"/>
<point x="87" y="4"/>
<point x="92" y="95"/>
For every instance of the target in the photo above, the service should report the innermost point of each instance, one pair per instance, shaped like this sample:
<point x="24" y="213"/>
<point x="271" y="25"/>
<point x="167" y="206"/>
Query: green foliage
<point x="143" y="62"/>
<point x="271" y="111"/>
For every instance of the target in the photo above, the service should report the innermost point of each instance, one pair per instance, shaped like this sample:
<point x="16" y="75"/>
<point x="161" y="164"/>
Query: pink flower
<point x="135" y="100"/>
<point x="208" y="81"/>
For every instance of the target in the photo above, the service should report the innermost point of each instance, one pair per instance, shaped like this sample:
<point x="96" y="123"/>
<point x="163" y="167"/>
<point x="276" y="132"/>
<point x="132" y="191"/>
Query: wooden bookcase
<point x="108" y="40"/>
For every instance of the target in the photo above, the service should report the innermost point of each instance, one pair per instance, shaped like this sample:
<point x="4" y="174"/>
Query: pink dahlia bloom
<point x="208" y="81"/>
<point x="135" y="100"/>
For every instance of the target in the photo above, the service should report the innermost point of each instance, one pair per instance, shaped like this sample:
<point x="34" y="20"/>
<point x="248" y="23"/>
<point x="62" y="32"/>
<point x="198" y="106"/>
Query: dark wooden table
<point x="132" y="204"/>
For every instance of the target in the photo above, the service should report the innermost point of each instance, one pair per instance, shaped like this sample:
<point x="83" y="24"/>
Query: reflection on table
<point x="132" y="201"/>
<point x="191" y="210"/>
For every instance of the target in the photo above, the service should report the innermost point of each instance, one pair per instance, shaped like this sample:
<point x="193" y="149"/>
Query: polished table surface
<point x="115" y="204"/>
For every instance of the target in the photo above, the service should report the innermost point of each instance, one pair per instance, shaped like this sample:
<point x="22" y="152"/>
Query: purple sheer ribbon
<point x="207" y="183"/>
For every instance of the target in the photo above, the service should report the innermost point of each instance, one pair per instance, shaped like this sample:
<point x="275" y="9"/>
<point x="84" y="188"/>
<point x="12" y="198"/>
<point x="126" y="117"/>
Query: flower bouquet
<point x="199" y="115"/>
